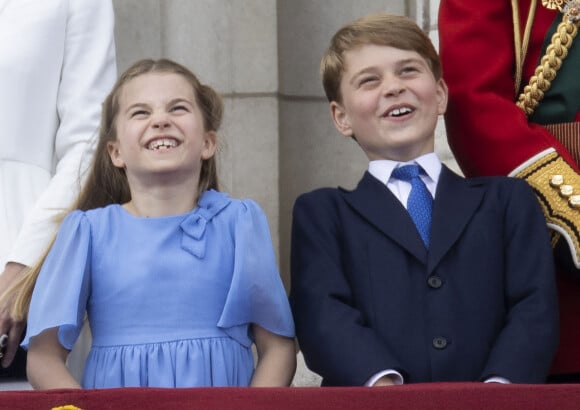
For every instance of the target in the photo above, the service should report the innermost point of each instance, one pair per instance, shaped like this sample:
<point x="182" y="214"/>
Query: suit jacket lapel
<point x="376" y="203"/>
<point x="456" y="200"/>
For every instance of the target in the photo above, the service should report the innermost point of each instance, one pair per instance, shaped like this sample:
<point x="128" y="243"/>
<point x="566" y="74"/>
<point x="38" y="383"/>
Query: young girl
<point x="177" y="278"/>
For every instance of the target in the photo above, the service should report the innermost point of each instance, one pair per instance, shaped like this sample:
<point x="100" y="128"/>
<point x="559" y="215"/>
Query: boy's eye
<point x="409" y="69"/>
<point x="367" y="80"/>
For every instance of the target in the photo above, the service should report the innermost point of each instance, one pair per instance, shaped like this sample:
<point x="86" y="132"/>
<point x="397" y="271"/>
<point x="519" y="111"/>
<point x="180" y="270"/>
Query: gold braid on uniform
<point x="551" y="62"/>
<point x="555" y="182"/>
<point x="521" y="45"/>
<point x="557" y="187"/>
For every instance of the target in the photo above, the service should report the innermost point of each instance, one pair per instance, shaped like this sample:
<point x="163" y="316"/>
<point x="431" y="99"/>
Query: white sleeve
<point x="87" y="75"/>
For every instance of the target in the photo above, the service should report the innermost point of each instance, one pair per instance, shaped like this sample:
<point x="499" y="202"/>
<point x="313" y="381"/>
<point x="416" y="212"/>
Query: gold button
<point x="566" y="190"/>
<point x="556" y="180"/>
<point x="574" y="201"/>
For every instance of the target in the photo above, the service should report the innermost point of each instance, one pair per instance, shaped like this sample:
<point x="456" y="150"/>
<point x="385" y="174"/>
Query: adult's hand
<point x="9" y="326"/>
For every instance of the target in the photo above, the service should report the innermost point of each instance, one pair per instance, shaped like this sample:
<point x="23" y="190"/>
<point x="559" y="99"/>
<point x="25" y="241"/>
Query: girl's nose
<point x="161" y="121"/>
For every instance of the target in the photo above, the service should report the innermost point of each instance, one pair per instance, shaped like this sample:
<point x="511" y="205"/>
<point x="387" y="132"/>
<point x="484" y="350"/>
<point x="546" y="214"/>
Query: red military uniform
<point x="490" y="135"/>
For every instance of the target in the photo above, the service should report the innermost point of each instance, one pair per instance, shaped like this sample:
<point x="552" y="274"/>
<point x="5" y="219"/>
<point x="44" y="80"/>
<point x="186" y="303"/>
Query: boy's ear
<point x="442" y="96"/>
<point x="340" y="119"/>
<point x="115" y="154"/>
<point x="209" y="145"/>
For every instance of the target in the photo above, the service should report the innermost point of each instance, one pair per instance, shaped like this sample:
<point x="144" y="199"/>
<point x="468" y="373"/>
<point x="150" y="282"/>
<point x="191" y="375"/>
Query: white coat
<point x="57" y="64"/>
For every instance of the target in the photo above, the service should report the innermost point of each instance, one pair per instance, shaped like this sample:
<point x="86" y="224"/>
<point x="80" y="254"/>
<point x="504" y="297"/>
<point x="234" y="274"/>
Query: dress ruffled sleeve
<point x="256" y="295"/>
<point x="61" y="292"/>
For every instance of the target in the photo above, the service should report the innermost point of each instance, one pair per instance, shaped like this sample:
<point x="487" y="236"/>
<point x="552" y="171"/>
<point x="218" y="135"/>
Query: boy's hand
<point x="384" y="381"/>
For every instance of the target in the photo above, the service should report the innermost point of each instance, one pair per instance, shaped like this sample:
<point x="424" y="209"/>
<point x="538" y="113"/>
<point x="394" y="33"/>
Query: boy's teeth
<point x="399" y="111"/>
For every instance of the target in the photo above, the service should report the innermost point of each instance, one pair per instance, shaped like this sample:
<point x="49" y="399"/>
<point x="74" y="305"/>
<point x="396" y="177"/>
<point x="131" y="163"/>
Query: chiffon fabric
<point x="170" y="300"/>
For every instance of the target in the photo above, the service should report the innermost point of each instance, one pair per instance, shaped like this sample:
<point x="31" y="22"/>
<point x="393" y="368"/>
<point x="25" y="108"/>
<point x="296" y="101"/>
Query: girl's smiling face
<point x="160" y="129"/>
<point x="390" y="102"/>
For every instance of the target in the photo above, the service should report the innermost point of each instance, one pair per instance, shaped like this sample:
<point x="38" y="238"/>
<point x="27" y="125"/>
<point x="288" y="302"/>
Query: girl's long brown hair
<point x="107" y="184"/>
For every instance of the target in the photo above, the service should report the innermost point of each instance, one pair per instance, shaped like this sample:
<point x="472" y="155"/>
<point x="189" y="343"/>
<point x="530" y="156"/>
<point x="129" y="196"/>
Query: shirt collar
<point x="382" y="169"/>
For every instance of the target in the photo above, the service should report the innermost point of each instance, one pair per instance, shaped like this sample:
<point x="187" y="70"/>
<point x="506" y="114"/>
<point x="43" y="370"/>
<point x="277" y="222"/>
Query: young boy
<point x="406" y="279"/>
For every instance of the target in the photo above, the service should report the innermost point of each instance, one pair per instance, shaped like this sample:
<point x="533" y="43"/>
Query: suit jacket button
<point x="434" y="282"/>
<point x="440" y="343"/>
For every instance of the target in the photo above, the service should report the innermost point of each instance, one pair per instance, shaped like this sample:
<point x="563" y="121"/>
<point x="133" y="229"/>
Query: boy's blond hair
<point x="378" y="29"/>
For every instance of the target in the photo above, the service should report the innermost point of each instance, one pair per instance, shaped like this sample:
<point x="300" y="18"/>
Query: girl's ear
<point x="115" y="154"/>
<point x="340" y="119"/>
<point x="209" y="145"/>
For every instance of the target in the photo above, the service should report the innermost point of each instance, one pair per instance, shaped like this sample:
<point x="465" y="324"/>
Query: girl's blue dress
<point x="169" y="300"/>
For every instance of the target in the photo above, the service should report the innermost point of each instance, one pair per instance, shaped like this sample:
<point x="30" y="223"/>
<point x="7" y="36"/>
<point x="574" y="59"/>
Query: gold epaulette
<point x="557" y="186"/>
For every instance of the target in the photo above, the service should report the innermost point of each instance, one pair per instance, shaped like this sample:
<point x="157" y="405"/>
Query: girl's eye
<point x="179" y="108"/>
<point x="138" y="113"/>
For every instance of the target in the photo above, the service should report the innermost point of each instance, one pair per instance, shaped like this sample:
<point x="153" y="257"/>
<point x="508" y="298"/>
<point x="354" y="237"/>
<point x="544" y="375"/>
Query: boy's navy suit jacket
<point x="367" y="295"/>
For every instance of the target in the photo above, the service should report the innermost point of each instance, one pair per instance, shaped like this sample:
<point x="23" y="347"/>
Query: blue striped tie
<point x="420" y="202"/>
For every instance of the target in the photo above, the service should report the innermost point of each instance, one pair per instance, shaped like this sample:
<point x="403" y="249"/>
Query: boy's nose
<point x="393" y="88"/>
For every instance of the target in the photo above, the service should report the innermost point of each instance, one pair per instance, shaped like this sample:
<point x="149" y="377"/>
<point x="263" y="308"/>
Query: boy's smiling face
<point x="390" y="102"/>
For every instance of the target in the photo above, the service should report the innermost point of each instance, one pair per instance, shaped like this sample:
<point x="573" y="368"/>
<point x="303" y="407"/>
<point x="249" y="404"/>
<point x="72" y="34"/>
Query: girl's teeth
<point x="163" y="144"/>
